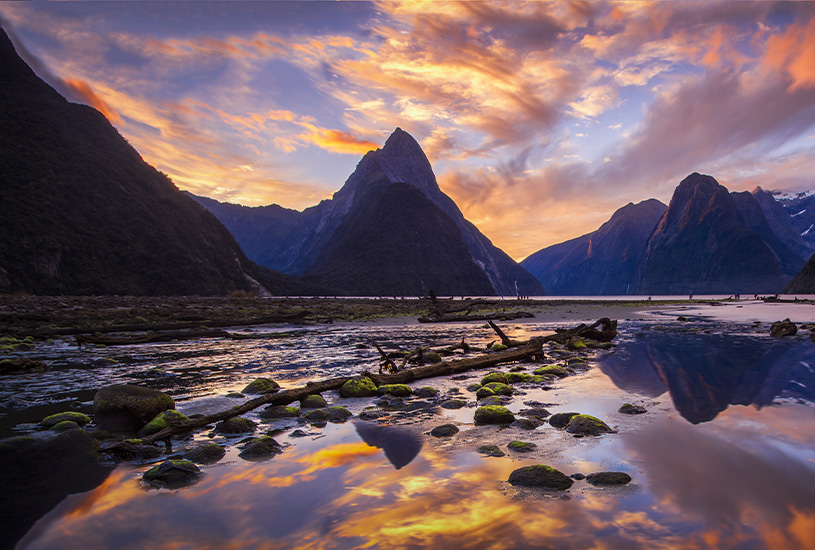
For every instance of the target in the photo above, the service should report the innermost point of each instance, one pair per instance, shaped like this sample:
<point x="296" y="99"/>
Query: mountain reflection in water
<point x="399" y="445"/>
<point x="706" y="373"/>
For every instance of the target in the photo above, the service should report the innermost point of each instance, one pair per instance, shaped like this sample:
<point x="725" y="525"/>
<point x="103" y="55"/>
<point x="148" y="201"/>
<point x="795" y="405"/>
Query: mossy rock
<point x="584" y="424"/>
<point x="431" y="357"/>
<point x="493" y="414"/>
<point x="74" y="416"/>
<point x="445" y="430"/>
<point x="173" y="473"/>
<point x="499" y="388"/>
<point x="628" y="408"/>
<point x="498" y="347"/>
<point x="491" y="450"/>
<point x="452" y="404"/>
<point x="538" y="413"/>
<point x="525" y="424"/>
<point x="426" y="391"/>
<point x="494" y="377"/>
<point x="317" y="416"/>
<point x="337" y="414"/>
<point x="521" y="446"/>
<point x="359" y="386"/>
<point x="542" y="476"/>
<point x="126" y="408"/>
<point x="492" y="400"/>
<point x="164" y="419"/>
<point x="483" y="393"/>
<point x="65" y="425"/>
<point x="262" y="448"/>
<point x="279" y="411"/>
<point x="517" y="377"/>
<point x="205" y="453"/>
<point x="552" y="370"/>
<point x="606" y="479"/>
<point x="396" y="390"/>
<point x="238" y="425"/>
<point x="261" y="385"/>
<point x="313" y="401"/>
<point x="576" y="343"/>
<point x="474" y="387"/>
<point x="8" y="341"/>
<point x="560" y="420"/>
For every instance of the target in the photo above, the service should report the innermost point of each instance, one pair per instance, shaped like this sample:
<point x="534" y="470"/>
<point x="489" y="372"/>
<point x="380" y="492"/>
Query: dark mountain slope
<point x="783" y="223"/>
<point x="701" y="245"/>
<point x="398" y="242"/>
<point x="604" y="262"/>
<point x="82" y="213"/>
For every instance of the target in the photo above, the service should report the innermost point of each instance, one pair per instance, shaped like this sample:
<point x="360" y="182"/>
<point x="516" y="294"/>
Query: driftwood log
<point x="522" y="351"/>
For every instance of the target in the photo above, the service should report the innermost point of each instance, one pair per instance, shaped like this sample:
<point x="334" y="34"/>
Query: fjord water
<point x="724" y="457"/>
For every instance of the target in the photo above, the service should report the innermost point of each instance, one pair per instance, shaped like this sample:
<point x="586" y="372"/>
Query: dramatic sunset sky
<point x="540" y="118"/>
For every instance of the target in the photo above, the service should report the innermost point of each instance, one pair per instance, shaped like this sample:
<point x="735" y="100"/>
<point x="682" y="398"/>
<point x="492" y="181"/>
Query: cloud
<point x="337" y="141"/>
<point x="86" y="94"/>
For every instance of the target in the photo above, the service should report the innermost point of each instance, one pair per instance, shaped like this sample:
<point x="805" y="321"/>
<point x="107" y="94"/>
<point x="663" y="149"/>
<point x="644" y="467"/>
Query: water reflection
<point x="400" y="445"/>
<point x="706" y="373"/>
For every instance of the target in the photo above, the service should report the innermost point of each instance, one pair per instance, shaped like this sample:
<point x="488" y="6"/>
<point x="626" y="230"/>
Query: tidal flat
<point x="723" y="455"/>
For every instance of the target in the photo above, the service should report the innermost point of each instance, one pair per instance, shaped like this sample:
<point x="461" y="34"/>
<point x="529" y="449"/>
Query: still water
<point x="724" y="457"/>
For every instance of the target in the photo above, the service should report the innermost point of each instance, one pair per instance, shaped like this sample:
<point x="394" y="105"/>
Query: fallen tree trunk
<point x="528" y="350"/>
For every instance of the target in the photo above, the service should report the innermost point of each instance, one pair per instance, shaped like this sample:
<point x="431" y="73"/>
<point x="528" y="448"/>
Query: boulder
<point x="552" y="370"/>
<point x="396" y="390"/>
<point x="126" y="408"/>
<point x="426" y="391"/>
<point x="173" y="473"/>
<point x="608" y="478"/>
<point x="313" y="401"/>
<point x="205" y="453"/>
<point x="164" y="419"/>
<point x="559" y="420"/>
<point x="317" y="416"/>
<point x="493" y="414"/>
<point x="584" y="424"/>
<point x="499" y="388"/>
<point x="628" y="408"/>
<point x="452" y="404"/>
<point x="261" y="448"/>
<point x="337" y="414"/>
<point x="521" y="446"/>
<point x="445" y="430"/>
<point x="359" y="386"/>
<point x="783" y="328"/>
<point x="73" y="416"/>
<point x="261" y="385"/>
<point x="494" y="377"/>
<point x="542" y="476"/>
<point x="484" y="392"/>
<point x="491" y="450"/>
<point x="237" y="425"/>
<point x="279" y="411"/>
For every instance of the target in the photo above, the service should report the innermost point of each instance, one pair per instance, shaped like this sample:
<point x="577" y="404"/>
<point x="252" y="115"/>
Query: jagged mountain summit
<point x="389" y="225"/>
<point x="604" y="262"/>
<point x="82" y="213"/>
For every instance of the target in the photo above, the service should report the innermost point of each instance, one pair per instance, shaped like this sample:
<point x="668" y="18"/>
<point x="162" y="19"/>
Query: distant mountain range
<point x="707" y="241"/>
<point x="389" y="230"/>
<point x="82" y="213"/>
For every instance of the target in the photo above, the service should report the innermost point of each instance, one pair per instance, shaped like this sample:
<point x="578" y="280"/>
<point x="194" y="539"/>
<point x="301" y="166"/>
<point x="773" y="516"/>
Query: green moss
<point x="261" y="385"/>
<point x="552" y="370"/>
<point x="162" y="420"/>
<point x="499" y="388"/>
<point x="473" y="387"/>
<point x="396" y="390"/>
<point x="431" y="357"/>
<point x="498" y="347"/>
<point x="72" y="416"/>
<point x="490" y="450"/>
<point x="8" y="340"/>
<point x="584" y="424"/>
<point x="494" y="377"/>
<point x="360" y="386"/>
<point x="484" y="393"/>
<point x="65" y="425"/>
<point x="493" y="414"/>
<point x="313" y="401"/>
<point x="521" y="446"/>
<point x="576" y="343"/>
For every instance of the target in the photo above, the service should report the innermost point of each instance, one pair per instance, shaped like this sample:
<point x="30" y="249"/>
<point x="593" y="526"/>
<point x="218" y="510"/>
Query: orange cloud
<point x="794" y="52"/>
<point x="87" y="95"/>
<point x="337" y="141"/>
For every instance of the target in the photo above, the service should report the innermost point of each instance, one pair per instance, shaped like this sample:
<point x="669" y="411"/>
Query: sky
<point x="540" y="118"/>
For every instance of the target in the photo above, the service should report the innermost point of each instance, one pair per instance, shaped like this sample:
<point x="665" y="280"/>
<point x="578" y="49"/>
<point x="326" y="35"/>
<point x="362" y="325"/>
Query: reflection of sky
<point x="727" y="484"/>
<point x="540" y="118"/>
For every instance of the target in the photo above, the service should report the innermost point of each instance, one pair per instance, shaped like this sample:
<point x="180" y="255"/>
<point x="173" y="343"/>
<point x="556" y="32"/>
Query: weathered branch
<point x="505" y="340"/>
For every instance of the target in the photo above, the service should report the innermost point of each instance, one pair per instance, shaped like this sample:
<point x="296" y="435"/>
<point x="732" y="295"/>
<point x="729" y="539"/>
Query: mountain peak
<point x="401" y="143"/>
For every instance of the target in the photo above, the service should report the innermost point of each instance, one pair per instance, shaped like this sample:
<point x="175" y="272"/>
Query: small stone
<point x="554" y="370"/>
<point x="493" y="414"/>
<point x="396" y="390"/>
<point x="426" y="391"/>
<point x="369" y="415"/>
<point x="584" y="424"/>
<point x="238" y="425"/>
<point x="521" y="446"/>
<point x="452" y="404"/>
<point x="494" y="377"/>
<point x="491" y="450"/>
<point x="279" y="411"/>
<point x="337" y="414"/>
<point x="445" y="430"/>
<point x="360" y="386"/>
<point x="261" y="385"/>
<point x="605" y="479"/>
<point x="313" y="401"/>
<point x="173" y="473"/>
<point x="73" y="416"/>
<point x="559" y="420"/>
<point x="628" y="408"/>
<point x="261" y="448"/>
<point x="524" y="424"/>
<point x="499" y="388"/>
<point x="205" y="453"/>
<point x="540" y="475"/>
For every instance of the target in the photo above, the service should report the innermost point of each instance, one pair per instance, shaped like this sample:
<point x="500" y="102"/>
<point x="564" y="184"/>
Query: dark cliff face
<point x="701" y="245"/>
<point x="302" y="243"/>
<point x="82" y="213"/>
<point x="604" y="262"/>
